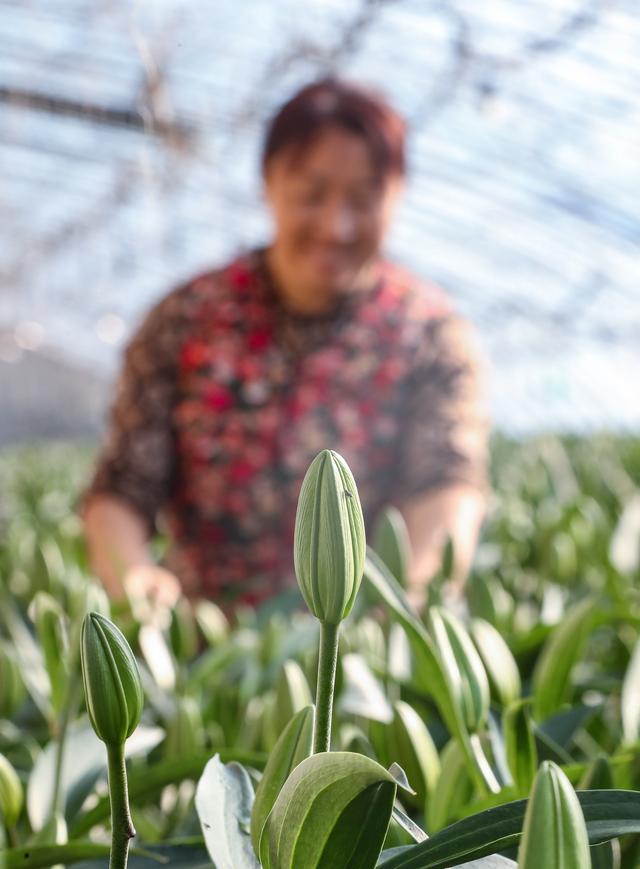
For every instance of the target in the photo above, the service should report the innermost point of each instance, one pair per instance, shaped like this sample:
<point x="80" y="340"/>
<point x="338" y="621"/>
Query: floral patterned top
<point x="226" y="396"/>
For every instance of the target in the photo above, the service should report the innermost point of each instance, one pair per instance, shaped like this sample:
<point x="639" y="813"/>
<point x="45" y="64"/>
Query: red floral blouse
<point x="226" y="397"/>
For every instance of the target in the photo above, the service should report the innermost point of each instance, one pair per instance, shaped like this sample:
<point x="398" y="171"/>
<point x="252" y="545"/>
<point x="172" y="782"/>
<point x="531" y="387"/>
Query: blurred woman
<point x="237" y="379"/>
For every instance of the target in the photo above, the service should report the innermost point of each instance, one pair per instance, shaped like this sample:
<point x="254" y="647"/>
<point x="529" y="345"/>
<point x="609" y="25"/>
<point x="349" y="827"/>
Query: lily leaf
<point x="608" y="814"/>
<point x="430" y="675"/>
<point x="562" y="649"/>
<point x="294" y="744"/>
<point x="189" y="854"/>
<point x="224" y="797"/>
<point x="630" y="702"/>
<point x="332" y="813"/>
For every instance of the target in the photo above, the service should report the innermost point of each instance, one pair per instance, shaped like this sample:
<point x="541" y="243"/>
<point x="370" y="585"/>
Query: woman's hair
<point x="335" y="103"/>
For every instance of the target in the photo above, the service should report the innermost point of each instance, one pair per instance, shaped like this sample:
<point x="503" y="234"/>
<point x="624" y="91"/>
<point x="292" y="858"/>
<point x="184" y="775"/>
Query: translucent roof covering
<point x="129" y="142"/>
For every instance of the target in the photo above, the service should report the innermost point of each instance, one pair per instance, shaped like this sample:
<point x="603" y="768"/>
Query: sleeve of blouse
<point x="446" y="435"/>
<point x="137" y="456"/>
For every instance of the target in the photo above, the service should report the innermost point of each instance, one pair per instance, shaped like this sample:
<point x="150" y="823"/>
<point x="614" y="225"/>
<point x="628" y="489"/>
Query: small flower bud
<point x="11" y="793"/>
<point x="12" y="688"/>
<point x="111" y="679"/>
<point x="329" y="546"/>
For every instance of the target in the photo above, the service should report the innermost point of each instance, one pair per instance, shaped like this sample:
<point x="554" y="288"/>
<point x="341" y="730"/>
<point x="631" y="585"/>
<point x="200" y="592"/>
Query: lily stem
<point x="325" y="688"/>
<point x="122" y="829"/>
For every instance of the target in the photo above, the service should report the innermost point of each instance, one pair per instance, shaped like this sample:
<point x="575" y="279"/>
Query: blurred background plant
<point x="552" y="610"/>
<point x="128" y="155"/>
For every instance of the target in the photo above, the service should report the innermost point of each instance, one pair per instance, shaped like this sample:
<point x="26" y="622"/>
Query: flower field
<point x="499" y="730"/>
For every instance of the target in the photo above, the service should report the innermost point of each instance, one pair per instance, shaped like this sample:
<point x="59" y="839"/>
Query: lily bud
<point x="12" y="688"/>
<point x="555" y="833"/>
<point x="391" y="543"/>
<point x="112" y="685"/>
<point x="329" y="546"/>
<point x="11" y="793"/>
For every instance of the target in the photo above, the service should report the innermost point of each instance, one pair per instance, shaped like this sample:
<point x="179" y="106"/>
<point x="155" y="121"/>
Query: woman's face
<point x="331" y="211"/>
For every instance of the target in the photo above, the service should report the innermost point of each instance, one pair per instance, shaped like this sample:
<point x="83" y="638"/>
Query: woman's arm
<point x="135" y="464"/>
<point x="117" y="539"/>
<point x="455" y="511"/>
<point x="443" y="486"/>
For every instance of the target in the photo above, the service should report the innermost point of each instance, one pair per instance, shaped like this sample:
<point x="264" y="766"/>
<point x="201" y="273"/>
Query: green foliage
<point x="463" y="667"/>
<point x="499" y="663"/>
<point x="407" y="741"/>
<point x="390" y="541"/>
<point x="607" y="814"/>
<point x="551" y="617"/>
<point x="332" y="813"/>
<point x="520" y="745"/>
<point x="11" y="793"/>
<point x="293" y="746"/>
<point x="223" y="800"/>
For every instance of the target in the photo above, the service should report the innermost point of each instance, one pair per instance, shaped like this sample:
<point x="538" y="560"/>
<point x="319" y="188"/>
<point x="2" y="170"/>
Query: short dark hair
<point x="332" y="102"/>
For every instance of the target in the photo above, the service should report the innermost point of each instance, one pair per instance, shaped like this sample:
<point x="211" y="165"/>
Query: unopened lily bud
<point x="555" y="833"/>
<point x="12" y="688"/>
<point x="391" y="542"/>
<point x="52" y="631"/>
<point x="112" y="685"/>
<point x="329" y="547"/>
<point x="11" y="793"/>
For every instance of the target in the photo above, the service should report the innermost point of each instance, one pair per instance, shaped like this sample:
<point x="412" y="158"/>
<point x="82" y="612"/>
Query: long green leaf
<point x="224" y="797"/>
<point x="520" y="743"/>
<point x="313" y="817"/>
<point x="430" y="675"/>
<point x="45" y="856"/>
<point x="292" y="747"/>
<point x="562" y="649"/>
<point x="630" y="698"/>
<point x="561" y="728"/>
<point x="357" y="840"/>
<point x="191" y="853"/>
<point x="391" y="543"/>
<point x="608" y="814"/>
<point x="29" y="656"/>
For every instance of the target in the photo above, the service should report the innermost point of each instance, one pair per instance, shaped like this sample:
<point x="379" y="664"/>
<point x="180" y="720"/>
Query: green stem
<point x="122" y="829"/>
<point x="326" y="682"/>
<point x="68" y="710"/>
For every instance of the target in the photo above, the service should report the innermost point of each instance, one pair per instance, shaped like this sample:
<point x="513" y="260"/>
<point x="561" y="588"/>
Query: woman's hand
<point x="152" y="592"/>
<point x="117" y="538"/>
<point x="456" y="512"/>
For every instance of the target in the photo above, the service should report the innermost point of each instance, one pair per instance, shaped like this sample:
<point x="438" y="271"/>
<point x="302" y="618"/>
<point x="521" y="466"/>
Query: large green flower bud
<point x="555" y="833"/>
<point x="329" y="547"/>
<point x="111" y="679"/>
